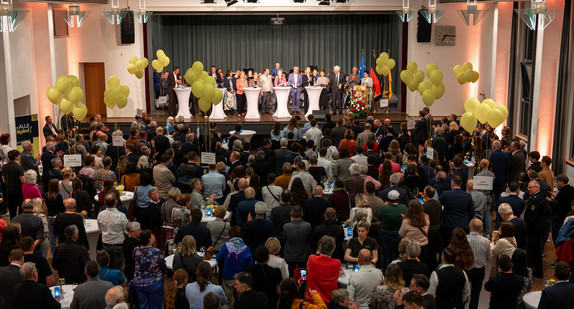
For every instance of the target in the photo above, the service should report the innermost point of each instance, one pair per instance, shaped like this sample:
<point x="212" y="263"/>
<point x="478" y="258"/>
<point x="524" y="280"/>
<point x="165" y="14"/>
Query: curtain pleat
<point x="249" y="41"/>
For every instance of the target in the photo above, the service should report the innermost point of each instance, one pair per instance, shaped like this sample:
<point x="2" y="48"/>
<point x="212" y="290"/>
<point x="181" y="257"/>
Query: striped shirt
<point x="104" y="174"/>
<point x="480" y="248"/>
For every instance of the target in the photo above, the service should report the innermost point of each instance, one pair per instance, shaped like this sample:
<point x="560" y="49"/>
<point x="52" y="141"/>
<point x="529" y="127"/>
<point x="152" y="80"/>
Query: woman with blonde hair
<point x="66" y="186"/>
<point x="361" y="204"/>
<point x="30" y="189"/>
<point x="38" y="211"/>
<point x="275" y="261"/>
<point x="382" y="297"/>
<point x="187" y="258"/>
<point x="415" y="228"/>
<point x="395" y="150"/>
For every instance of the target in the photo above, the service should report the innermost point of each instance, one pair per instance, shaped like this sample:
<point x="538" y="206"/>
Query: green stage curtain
<point x="250" y="41"/>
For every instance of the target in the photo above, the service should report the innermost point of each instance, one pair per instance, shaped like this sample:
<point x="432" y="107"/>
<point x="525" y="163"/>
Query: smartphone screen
<point x="304" y="274"/>
<point x="350" y="231"/>
<point x="356" y="268"/>
<point x="209" y="212"/>
<point x="421" y="200"/>
<point x="56" y="291"/>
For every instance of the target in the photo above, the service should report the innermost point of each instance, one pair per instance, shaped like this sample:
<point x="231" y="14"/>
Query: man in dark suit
<point x="337" y="84"/>
<point x="520" y="227"/>
<point x="27" y="159"/>
<point x="421" y="129"/>
<point x="394" y="180"/>
<point x="458" y="210"/>
<point x="68" y="123"/>
<point x="561" y="294"/>
<point x="234" y="160"/>
<point x="281" y="214"/>
<point x="10" y="276"/>
<point x="49" y="128"/>
<point x="516" y="162"/>
<point x="31" y="294"/>
<point x="499" y="163"/>
<point x="70" y="257"/>
<point x="295" y="81"/>
<point x="332" y="228"/>
<point x="194" y="228"/>
<point x="173" y="79"/>
<point x="512" y="199"/>
<point x="421" y="283"/>
<point x="236" y="199"/>
<point x="279" y="156"/>
<point x="262" y="167"/>
<point x="535" y="215"/>
<point x="314" y="208"/>
<point x="257" y="230"/>
<point x="267" y="150"/>
<point x="160" y="142"/>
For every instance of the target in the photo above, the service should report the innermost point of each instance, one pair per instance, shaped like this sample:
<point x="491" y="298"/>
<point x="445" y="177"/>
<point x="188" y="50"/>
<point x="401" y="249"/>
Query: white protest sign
<point x="483" y="182"/>
<point x="208" y="158"/>
<point x="73" y="160"/>
<point x="117" y="141"/>
<point x="410" y="124"/>
<point x="430" y="153"/>
<point x="384" y="102"/>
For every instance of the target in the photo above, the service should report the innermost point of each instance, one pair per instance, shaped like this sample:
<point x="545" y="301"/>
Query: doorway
<point x="95" y="85"/>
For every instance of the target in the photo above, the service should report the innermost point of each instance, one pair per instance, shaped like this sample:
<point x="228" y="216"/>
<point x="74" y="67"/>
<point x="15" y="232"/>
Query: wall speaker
<point x="424" y="29"/>
<point x="127" y="29"/>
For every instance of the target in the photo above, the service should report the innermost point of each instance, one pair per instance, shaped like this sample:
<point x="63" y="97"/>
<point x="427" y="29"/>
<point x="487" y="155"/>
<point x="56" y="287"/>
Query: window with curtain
<point x="250" y="41"/>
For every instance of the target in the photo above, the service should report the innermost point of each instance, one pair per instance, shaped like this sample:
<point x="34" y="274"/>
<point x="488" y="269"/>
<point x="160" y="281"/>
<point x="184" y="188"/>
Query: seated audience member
<point x="249" y="299"/>
<point x="364" y="281"/>
<point x="115" y="296"/>
<point x="340" y="299"/>
<point x="362" y="241"/>
<point x="91" y="294"/>
<point x="506" y="287"/>
<point x="29" y="293"/>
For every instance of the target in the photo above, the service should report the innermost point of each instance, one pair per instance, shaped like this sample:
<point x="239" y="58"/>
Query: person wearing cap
<point x="561" y="204"/>
<point x="391" y="218"/>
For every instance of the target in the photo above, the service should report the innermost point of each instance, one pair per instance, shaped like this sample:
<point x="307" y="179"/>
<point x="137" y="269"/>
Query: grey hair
<point x="496" y="145"/>
<point x="441" y="176"/>
<point x="26" y="144"/>
<point x="55" y="162"/>
<point x="505" y="209"/>
<point x="114" y="295"/>
<point x="437" y="131"/>
<point x="159" y="130"/>
<point x="250" y="193"/>
<point x="260" y="208"/>
<point x="476" y="224"/>
<point x="394" y="179"/>
<point x="413" y="249"/>
<point x="237" y="144"/>
<point x="355" y="169"/>
<point x="534" y="183"/>
<point x="361" y="213"/>
<point x="189" y="137"/>
<point x="50" y="146"/>
<point x="339" y="295"/>
<point x="27" y="270"/>
<point x="338" y="68"/>
<point x="30" y="177"/>
<point x="144" y="149"/>
<point x="133" y="226"/>
<point x="283" y="142"/>
<point x="260" y="155"/>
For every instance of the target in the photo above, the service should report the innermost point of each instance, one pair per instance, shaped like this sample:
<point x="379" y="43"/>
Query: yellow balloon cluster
<point x="137" y="66"/>
<point x="465" y="73"/>
<point x="486" y="111"/>
<point x="68" y="94"/>
<point x="161" y="62"/>
<point x="203" y="86"/>
<point x="431" y="89"/>
<point x="384" y="64"/>
<point x="116" y="94"/>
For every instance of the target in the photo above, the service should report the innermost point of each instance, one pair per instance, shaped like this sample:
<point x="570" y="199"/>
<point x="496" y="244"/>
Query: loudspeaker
<point x="127" y="29"/>
<point x="424" y="29"/>
<point x="319" y="114"/>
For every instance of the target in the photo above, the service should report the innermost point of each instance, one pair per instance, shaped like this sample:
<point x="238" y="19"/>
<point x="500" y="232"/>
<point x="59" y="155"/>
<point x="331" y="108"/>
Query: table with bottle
<point x="65" y="292"/>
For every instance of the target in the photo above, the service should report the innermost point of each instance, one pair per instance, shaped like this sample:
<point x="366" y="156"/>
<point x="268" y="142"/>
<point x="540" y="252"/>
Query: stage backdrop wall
<point x="250" y="41"/>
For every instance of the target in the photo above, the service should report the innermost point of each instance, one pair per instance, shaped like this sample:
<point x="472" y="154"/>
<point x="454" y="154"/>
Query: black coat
<point x="10" y="276"/>
<point x="31" y="295"/>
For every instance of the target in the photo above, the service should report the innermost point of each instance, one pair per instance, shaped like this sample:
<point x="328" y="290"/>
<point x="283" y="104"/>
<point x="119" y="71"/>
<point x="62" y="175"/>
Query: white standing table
<point x="217" y="112"/>
<point x="532" y="299"/>
<point x="252" y="95"/>
<point x="282" y="94"/>
<point x="93" y="233"/>
<point x="247" y="134"/>
<point x="183" y="94"/>
<point x="68" y="290"/>
<point x="314" y="93"/>
<point x="169" y="261"/>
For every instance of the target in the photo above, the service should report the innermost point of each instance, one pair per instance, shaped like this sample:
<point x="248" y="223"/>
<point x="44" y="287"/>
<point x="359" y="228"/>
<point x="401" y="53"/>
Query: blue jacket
<point x="566" y="232"/>
<point x="458" y="209"/>
<point x="499" y="162"/>
<point x="515" y="202"/>
<point x="243" y="210"/>
<point x="233" y="263"/>
<point x="114" y="276"/>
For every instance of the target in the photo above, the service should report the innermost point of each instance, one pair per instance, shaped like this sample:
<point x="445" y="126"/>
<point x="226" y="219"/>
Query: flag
<point x="375" y="77"/>
<point x="362" y="68"/>
<point x="390" y="95"/>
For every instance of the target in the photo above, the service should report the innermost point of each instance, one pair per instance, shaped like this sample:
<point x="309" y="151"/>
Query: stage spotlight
<point x="251" y="1"/>
<point x="208" y="1"/>
<point x="341" y="1"/>
<point x="230" y="2"/>
<point x="324" y="2"/>
<point x="299" y="1"/>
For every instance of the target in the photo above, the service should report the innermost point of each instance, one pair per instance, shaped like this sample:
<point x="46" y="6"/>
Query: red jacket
<point x="323" y="273"/>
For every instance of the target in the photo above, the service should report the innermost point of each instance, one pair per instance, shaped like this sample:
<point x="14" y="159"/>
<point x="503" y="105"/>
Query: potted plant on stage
<point x="359" y="102"/>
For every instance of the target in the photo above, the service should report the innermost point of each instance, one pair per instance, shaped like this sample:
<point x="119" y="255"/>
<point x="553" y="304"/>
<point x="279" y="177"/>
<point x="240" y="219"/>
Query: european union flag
<point x="362" y="68"/>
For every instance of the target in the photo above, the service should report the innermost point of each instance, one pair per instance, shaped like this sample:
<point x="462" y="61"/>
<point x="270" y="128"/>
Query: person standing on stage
<point x="308" y="80"/>
<point x="337" y="81"/>
<point x="215" y="75"/>
<point x="353" y="79"/>
<point x="173" y="80"/>
<point x="295" y="81"/>
<point x="241" y="99"/>
<point x="368" y="82"/>
<point x="323" y="81"/>
<point x="266" y="81"/>
<point x="280" y="80"/>
<point x="277" y="69"/>
<point x="230" y="103"/>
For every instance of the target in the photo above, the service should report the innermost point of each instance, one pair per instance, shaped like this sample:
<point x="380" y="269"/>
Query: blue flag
<point x="362" y="68"/>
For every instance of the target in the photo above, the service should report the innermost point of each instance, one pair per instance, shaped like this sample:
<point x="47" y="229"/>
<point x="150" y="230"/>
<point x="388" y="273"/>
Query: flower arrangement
<point x="359" y="104"/>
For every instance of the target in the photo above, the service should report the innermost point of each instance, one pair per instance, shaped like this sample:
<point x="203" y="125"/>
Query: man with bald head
<point x="363" y="282"/>
<point x="246" y="207"/>
<point x="314" y="208"/>
<point x="70" y="217"/>
<point x="236" y="199"/>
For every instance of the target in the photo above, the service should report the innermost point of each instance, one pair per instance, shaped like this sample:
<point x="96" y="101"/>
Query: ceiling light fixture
<point x="537" y="15"/>
<point x="115" y="15"/>
<point x="472" y="11"/>
<point x="74" y="16"/>
<point x="432" y="14"/>
<point x="406" y="13"/>
<point x="9" y="18"/>
<point x="141" y="15"/>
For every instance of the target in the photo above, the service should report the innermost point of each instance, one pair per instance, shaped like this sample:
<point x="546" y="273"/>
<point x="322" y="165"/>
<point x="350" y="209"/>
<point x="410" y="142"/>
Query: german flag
<point x="375" y="77"/>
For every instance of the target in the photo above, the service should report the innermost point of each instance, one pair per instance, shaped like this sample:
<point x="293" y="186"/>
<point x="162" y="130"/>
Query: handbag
<point x="132" y="207"/>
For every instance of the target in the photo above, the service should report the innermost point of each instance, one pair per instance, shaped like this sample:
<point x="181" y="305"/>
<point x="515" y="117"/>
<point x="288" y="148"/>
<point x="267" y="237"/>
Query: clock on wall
<point x="445" y="35"/>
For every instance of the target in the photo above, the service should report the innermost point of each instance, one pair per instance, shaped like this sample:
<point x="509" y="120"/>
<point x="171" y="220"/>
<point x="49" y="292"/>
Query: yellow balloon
<point x="209" y="80"/>
<point x="157" y="65"/>
<point x="470" y="105"/>
<point x="204" y="105"/>
<point x="428" y="97"/>
<point x="197" y="89"/>
<point x="384" y="56"/>
<point x="217" y="97"/>
<point x="391" y="64"/>
<point x="504" y="110"/>
<point x="424" y="86"/>
<point x="468" y="76"/>
<point x="54" y="95"/>
<point x="406" y="77"/>
<point x="133" y="59"/>
<point x="380" y="62"/>
<point x="66" y="106"/>
<point x="438" y="91"/>
<point x="457" y="69"/>
<point x="197" y="67"/>
<point x="109" y="103"/>
<point x="80" y="111"/>
<point x="419" y="76"/>
<point x="159" y="53"/>
<point x="468" y="122"/>
<point x="113" y="81"/>
<point x="74" y="80"/>
<point x="467" y="66"/>
<point x="207" y="92"/>
<point x="141" y="64"/>
<point x="495" y="117"/>
<point x="436" y="77"/>
<point x="385" y="70"/>
<point x="190" y="77"/>
<point x="123" y="90"/>
<point x="139" y="74"/>
<point x="132" y="68"/>
<point x="474" y="76"/>
<point x="63" y="84"/>
<point x="413" y="85"/>
<point x="121" y="101"/>
<point x="481" y="113"/>
<point x="165" y="61"/>
<point x="76" y="95"/>
<point x="202" y="75"/>
<point x="412" y="67"/>
<point x="461" y="79"/>
<point x="430" y="68"/>
<point x="489" y="102"/>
